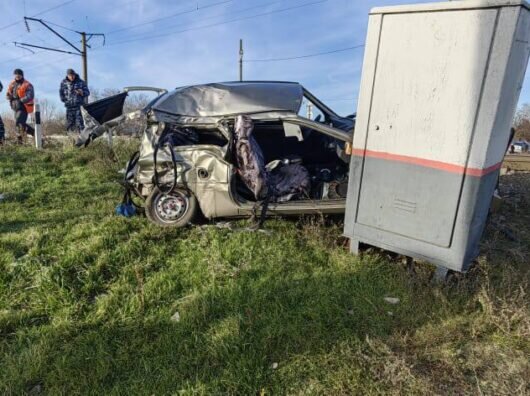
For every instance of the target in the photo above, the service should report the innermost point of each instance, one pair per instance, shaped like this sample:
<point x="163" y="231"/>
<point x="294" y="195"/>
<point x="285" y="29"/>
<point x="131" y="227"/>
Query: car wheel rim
<point x="171" y="207"/>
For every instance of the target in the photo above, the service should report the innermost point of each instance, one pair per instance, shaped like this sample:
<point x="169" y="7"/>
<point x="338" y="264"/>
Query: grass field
<point x="91" y="303"/>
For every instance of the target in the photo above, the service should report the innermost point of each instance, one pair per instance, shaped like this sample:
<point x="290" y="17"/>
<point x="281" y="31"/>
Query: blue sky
<point x="196" y="46"/>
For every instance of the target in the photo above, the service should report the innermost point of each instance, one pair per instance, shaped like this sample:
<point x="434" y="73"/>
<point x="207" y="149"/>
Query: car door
<point x="327" y="205"/>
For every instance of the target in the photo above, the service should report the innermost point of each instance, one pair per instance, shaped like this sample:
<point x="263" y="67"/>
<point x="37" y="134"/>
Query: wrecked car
<point x="233" y="150"/>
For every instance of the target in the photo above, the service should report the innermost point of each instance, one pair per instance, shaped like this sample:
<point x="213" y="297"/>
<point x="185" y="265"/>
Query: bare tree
<point x="98" y="94"/>
<point x="522" y="122"/>
<point x="49" y="110"/>
<point x="136" y="101"/>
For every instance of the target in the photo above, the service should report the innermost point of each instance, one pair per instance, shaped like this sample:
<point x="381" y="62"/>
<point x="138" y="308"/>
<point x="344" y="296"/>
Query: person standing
<point x="2" y="128"/>
<point x="20" y="95"/>
<point x="73" y="92"/>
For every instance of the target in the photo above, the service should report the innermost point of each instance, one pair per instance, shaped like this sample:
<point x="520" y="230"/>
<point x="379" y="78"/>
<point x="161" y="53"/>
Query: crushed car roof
<point x="219" y="99"/>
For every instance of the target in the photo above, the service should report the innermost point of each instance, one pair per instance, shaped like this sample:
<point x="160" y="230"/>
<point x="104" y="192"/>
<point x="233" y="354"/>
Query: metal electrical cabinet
<point x="439" y="89"/>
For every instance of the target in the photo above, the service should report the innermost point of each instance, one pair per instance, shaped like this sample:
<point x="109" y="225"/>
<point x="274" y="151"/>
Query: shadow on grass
<point x="235" y="324"/>
<point x="227" y="338"/>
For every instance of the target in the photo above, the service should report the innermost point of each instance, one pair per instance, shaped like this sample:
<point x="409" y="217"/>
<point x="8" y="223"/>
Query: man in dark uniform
<point x="20" y="95"/>
<point x="73" y="92"/>
<point x="2" y="128"/>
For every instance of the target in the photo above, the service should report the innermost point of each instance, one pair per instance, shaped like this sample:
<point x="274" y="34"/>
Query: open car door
<point x="103" y="115"/>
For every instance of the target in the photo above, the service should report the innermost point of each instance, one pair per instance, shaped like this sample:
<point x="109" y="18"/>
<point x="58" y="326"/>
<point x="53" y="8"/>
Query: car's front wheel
<point x="175" y="209"/>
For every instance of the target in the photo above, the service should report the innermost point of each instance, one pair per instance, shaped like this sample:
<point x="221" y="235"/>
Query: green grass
<point x="86" y="300"/>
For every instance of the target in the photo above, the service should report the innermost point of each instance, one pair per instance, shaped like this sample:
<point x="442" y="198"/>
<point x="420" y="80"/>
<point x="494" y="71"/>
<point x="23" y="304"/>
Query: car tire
<point x="175" y="209"/>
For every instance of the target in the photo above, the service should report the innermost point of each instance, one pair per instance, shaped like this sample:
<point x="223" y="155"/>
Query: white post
<point x="38" y="127"/>
<point x="310" y="111"/>
<point x="109" y="136"/>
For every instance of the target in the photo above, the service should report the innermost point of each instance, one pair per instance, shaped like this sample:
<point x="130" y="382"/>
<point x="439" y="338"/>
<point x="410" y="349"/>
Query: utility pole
<point x="85" y="38"/>
<point x="241" y="60"/>
<point x="310" y="111"/>
<point x="84" y="56"/>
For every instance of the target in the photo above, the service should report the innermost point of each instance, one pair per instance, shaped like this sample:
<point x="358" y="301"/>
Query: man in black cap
<point x="73" y="92"/>
<point x="2" y="128"/>
<point x="20" y="95"/>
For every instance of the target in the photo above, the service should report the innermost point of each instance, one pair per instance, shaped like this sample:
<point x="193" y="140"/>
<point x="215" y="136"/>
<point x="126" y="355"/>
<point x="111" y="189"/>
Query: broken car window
<point x="311" y="111"/>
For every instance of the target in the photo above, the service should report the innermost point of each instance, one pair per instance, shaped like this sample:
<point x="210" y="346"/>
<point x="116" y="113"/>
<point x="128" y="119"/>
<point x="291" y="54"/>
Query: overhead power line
<point x="219" y="23"/>
<point x="60" y="26"/>
<point x="24" y="48"/>
<point x="19" y="57"/>
<point x="56" y="62"/>
<point x="85" y="37"/>
<point x="25" y="45"/>
<point x="305" y="56"/>
<point x="11" y="24"/>
<point x="39" y="13"/>
<point x="9" y="42"/>
<point x="196" y="9"/>
<point x="170" y="29"/>
<point x="54" y="8"/>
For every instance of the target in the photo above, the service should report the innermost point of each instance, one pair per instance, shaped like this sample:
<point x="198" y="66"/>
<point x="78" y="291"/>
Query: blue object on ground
<point x="126" y="210"/>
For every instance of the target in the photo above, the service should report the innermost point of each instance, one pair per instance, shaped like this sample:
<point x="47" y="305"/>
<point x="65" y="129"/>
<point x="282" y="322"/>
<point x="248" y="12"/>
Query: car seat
<point x="278" y="181"/>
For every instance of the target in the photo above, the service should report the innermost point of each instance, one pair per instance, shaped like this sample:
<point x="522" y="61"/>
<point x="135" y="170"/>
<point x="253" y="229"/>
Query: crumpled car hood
<point x="221" y="99"/>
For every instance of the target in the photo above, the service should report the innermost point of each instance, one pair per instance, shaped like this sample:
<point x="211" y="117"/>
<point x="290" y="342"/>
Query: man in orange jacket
<point x="20" y="95"/>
